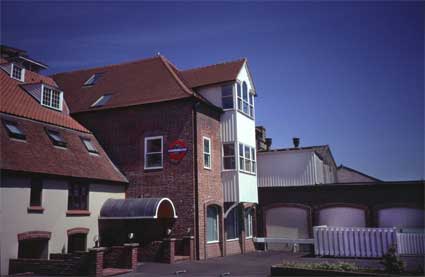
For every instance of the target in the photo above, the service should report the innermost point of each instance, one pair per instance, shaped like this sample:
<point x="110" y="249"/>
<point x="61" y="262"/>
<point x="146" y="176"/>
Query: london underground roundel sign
<point x="177" y="150"/>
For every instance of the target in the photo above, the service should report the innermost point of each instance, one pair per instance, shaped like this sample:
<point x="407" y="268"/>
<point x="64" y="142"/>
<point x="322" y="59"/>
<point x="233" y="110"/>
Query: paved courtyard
<point x="252" y="264"/>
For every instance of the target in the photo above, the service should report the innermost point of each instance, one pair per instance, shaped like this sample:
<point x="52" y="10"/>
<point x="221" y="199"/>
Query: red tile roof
<point x="37" y="154"/>
<point x="212" y="74"/>
<point x="141" y="82"/>
<point x="16" y="101"/>
<point x="32" y="77"/>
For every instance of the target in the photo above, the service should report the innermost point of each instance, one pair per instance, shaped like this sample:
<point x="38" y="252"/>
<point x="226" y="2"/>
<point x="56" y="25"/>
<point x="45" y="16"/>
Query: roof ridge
<point x="359" y="172"/>
<point x="211" y="65"/>
<point x="106" y="66"/>
<point x="175" y="76"/>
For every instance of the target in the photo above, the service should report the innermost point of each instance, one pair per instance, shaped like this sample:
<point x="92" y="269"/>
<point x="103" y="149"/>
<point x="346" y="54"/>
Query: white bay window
<point x="247" y="162"/>
<point x="245" y="99"/>
<point x="229" y="162"/>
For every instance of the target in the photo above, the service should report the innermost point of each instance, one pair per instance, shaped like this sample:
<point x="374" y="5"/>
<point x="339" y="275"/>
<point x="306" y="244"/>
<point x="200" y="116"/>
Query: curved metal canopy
<point x="138" y="208"/>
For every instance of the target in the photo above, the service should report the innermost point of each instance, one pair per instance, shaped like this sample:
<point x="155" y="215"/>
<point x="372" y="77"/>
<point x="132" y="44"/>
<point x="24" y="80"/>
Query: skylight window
<point x="51" y="98"/>
<point x="17" y="72"/>
<point x="103" y="100"/>
<point x="13" y="130"/>
<point x="89" y="145"/>
<point x="93" y="79"/>
<point x="56" y="138"/>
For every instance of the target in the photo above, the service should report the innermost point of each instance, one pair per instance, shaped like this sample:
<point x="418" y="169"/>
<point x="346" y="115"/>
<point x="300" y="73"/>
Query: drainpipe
<point x="195" y="159"/>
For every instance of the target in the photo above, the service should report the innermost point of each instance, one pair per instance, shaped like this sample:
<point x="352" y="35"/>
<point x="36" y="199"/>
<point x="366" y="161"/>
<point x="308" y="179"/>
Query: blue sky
<point x="350" y="75"/>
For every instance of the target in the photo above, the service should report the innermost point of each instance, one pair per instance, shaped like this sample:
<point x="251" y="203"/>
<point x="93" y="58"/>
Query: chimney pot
<point x="296" y="142"/>
<point x="268" y="143"/>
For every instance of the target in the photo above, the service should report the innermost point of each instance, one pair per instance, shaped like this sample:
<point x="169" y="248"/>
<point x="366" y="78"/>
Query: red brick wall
<point x="249" y="245"/>
<point x="121" y="132"/>
<point x="210" y="189"/>
<point x="233" y="247"/>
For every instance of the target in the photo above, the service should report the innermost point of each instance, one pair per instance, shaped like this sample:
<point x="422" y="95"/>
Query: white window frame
<point x="206" y="153"/>
<point x="233" y="97"/>
<point x="22" y="79"/>
<point x="146" y="153"/>
<point x="252" y="159"/>
<point x="248" y="101"/>
<point x="218" y="225"/>
<point x="249" y="223"/>
<point x="60" y="98"/>
<point x="251" y="103"/>
<point x="223" y="156"/>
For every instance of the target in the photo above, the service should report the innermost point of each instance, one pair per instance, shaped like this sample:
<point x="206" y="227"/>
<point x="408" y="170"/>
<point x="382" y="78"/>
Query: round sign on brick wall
<point x="177" y="150"/>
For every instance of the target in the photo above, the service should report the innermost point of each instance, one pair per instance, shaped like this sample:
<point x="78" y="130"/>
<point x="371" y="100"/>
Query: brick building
<point x="55" y="176"/>
<point x="184" y="135"/>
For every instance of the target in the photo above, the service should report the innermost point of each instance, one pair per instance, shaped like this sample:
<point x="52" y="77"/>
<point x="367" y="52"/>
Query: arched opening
<point x="34" y="245"/>
<point x="401" y="217"/>
<point x="77" y="239"/>
<point x="147" y="219"/>
<point x="231" y="223"/>
<point x="165" y="209"/>
<point x="342" y="216"/>
<point x="213" y="224"/>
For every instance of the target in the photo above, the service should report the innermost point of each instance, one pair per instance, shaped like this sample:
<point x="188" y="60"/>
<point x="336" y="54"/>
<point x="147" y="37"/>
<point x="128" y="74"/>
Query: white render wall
<point x="238" y="128"/>
<point x="289" y="168"/>
<point x="15" y="197"/>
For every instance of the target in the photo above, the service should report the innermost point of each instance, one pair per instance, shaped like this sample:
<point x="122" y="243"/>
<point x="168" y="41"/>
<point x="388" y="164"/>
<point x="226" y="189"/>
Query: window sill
<point x="245" y="114"/>
<point x="247" y="172"/>
<point x="78" y="213"/>
<point x="248" y="238"/>
<point x="153" y="168"/>
<point x="35" y="209"/>
<point x="235" y="239"/>
<point x="213" y="242"/>
<point x="229" y="170"/>
<point x="207" y="168"/>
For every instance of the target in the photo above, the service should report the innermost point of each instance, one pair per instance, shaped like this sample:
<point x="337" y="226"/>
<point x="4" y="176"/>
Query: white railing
<point x="352" y="241"/>
<point x="411" y="244"/>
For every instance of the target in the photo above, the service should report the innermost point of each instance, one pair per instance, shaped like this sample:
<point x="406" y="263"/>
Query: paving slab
<point x="251" y="264"/>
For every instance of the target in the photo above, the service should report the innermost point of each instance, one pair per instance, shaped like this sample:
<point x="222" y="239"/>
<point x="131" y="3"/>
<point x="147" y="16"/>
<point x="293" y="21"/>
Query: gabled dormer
<point x="14" y="70"/>
<point x="48" y="96"/>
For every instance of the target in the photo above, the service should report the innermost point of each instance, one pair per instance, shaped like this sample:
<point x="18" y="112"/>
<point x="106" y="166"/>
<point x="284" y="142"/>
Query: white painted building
<point x="55" y="176"/>
<point x="237" y="129"/>
<point x="303" y="166"/>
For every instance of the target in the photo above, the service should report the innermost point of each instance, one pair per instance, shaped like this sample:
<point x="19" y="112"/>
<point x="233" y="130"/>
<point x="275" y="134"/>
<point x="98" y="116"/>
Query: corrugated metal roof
<point x="133" y="208"/>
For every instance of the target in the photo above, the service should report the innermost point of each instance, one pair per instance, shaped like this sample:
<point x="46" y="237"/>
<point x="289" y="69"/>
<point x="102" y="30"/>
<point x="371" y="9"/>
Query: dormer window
<point x="56" y="138"/>
<point x="89" y="145"/>
<point x="93" y="79"/>
<point x="101" y="101"/>
<point x="51" y="98"/>
<point x="17" y="72"/>
<point x="14" y="130"/>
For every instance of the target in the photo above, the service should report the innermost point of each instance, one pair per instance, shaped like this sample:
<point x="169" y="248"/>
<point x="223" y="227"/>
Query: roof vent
<point x="296" y="142"/>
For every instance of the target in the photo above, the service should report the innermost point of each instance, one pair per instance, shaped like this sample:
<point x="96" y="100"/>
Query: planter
<point x="277" y="270"/>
